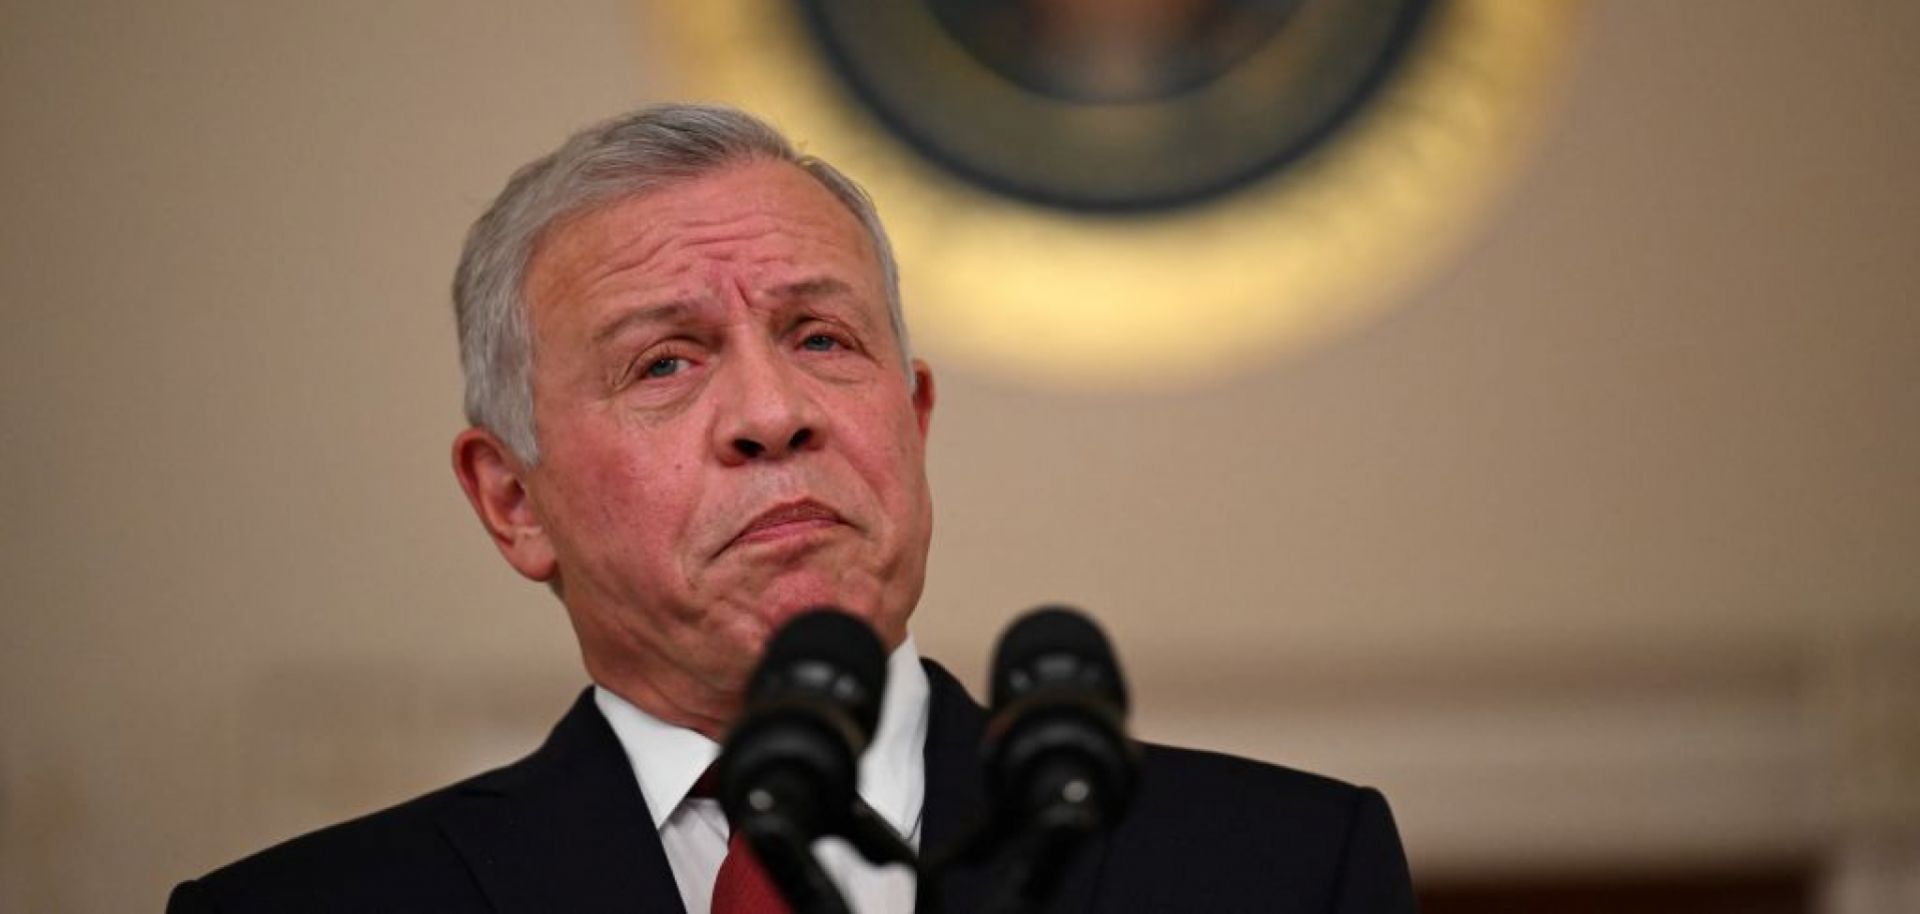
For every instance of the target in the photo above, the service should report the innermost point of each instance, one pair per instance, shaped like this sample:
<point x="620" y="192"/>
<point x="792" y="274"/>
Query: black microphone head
<point x="1057" y="753"/>
<point x="1055" y="646"/>
<point x="828" y="653"/>
<point x="791" y="761"/>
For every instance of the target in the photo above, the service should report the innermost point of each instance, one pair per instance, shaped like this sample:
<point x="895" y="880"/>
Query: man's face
<point x="727" y="433"/>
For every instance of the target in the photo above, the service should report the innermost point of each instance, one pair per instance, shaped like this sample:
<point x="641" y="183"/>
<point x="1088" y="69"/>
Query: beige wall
<point x="1598" y="551"/>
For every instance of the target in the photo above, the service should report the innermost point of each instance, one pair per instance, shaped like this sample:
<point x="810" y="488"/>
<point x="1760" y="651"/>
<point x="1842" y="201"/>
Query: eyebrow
<point x="824" y="287"/>
<point x="667" y="312"/>
<point x="647" y="314"/>
<point x="817" y="287"/>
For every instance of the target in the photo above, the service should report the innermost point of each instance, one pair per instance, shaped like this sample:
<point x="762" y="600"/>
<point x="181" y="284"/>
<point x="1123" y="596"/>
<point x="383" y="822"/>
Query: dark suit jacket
<point x="566" y="830"/>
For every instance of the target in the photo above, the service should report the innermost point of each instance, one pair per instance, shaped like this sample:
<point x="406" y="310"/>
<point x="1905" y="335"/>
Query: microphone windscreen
<point x="829" y="652"/>
<point x="1055" y="645"/>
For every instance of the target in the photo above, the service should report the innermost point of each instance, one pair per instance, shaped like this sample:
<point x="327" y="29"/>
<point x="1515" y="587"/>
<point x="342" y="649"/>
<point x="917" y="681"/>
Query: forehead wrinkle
<point x="568" y="266"/>
<point x="605" y="241"/>
<point x="659" y="245"/>
<point x="614" y="246"/>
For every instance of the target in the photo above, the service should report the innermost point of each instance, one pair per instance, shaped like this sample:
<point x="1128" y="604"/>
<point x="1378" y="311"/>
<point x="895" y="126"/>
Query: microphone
<point x="1058" y="756"/>
<point x="789" y="770"/>
<point x="1060" y="766"/>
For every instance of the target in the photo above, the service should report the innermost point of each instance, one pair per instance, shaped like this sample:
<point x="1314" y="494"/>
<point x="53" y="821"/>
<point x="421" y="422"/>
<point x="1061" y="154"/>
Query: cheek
<point x="623" y="507"/>
<point x="893" y="461"/>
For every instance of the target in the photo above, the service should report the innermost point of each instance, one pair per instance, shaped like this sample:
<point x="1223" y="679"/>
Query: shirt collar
<point x="667" y="760"/>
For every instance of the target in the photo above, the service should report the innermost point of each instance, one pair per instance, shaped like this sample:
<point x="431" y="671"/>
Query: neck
<point x="708" y="712"/>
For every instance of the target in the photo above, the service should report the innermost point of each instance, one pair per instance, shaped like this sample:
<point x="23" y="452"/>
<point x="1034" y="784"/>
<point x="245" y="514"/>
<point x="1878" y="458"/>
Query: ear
<point x="494" y="481"/>
<point x="923" y="395"/>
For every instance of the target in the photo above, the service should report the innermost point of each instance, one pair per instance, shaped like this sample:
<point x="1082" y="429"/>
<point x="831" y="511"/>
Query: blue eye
<point x="820" y="342"/>
<point x="661" y="368"/>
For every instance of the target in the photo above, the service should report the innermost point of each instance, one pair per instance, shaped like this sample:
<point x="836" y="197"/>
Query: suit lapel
<point x="956" y="801"/>
<point x="565" y="829"/>
<point x="956" y="795"/>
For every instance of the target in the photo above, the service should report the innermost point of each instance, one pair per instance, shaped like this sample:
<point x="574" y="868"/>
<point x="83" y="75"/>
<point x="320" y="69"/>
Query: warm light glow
<point x="1165" y="299"/>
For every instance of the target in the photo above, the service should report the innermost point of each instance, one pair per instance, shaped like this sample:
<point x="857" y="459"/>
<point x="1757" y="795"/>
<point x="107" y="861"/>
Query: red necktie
<point x="743" y="886"/>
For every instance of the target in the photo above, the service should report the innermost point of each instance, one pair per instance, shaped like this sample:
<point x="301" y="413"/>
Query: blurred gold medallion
<point x="1143" y="192"/>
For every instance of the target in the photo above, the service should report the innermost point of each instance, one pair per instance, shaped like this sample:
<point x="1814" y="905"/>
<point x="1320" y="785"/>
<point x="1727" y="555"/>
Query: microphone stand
<point x="1063" y="810"/>
<point x="788" y="859"/>
<point x="1034" y="860"/>
<point x="1039" y="859"/>
<point x="775" y="831"/>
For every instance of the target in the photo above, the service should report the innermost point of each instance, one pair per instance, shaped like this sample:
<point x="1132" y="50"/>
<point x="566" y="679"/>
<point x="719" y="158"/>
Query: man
<point x="694" y="414"/>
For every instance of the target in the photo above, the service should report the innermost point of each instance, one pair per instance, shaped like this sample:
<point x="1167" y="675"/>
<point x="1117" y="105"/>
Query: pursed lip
<point x="785" y="520"/>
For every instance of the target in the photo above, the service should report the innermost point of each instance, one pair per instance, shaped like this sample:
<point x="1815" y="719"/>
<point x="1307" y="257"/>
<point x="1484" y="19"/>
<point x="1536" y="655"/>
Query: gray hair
<point x="596" y="167"/>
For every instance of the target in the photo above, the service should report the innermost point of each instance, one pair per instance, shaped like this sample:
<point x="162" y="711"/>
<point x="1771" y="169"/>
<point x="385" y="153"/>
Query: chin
<point x="786" y="600"/>
<point x="778" y="613"/>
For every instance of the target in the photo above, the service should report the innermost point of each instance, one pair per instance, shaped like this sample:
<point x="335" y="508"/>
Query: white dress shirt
<point x="667" y="760"/>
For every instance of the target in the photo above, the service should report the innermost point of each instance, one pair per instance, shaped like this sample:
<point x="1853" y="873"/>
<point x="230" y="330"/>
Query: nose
<point x="765" y="410"/>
